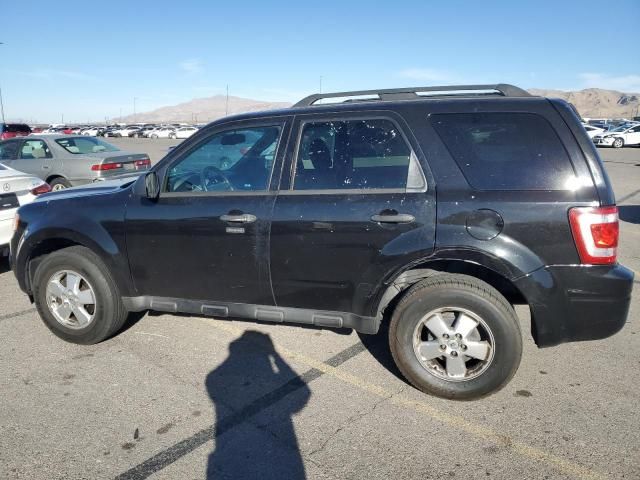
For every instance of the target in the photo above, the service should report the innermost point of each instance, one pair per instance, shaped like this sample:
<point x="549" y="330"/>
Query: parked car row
<point x="150" y="131"/>
<point x="11" y="130"/>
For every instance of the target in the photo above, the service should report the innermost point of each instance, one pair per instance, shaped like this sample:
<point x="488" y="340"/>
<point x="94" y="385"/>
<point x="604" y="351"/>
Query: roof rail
<point x="415" y="93"/>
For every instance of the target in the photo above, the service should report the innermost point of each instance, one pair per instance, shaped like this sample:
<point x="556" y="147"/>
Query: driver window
<point x="240" y="159"/>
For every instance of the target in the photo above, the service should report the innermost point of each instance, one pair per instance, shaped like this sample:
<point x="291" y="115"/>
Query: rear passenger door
<point x="354" y="205"/>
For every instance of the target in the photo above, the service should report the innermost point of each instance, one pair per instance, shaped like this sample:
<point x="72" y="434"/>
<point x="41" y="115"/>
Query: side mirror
<point x="152" y="185"/>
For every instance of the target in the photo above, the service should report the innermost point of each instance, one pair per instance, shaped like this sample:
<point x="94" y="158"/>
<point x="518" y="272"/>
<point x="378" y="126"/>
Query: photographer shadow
<point x="253" y="377"/>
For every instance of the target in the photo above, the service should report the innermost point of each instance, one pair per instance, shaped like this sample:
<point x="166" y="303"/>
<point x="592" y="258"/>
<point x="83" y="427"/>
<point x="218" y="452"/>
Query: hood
<point x="95" y="188"/>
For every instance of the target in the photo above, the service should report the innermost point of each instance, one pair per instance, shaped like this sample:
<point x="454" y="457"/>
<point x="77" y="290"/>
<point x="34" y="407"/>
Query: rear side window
<point x="352" y="154"/>
<point x="505" y="151"/>
<point x="34" y="149"/>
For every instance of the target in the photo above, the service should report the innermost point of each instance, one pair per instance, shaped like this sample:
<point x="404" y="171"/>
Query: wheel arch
<point x="35" y="250"/>
<point x="52" y="177"/>
<point x="407" y="277"/>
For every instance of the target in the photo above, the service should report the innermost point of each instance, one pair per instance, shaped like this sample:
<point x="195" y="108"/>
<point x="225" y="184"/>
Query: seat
<point x="322" y="175"/>
<point x="38" y="152"/>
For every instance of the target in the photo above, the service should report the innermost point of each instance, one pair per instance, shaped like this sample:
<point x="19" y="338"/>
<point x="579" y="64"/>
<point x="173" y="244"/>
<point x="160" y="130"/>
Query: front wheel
<point x="455" y="337"/>
<point x="618" y="143"/>
<point x="76" y="296"/>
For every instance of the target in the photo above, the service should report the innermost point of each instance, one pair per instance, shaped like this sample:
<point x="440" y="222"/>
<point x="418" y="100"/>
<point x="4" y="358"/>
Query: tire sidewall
<point x="506" y="334"/>
<point x="106" y="299"/>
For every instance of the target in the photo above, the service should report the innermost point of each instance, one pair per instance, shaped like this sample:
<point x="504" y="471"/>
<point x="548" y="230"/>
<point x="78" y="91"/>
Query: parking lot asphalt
<point x="176" y="397"/>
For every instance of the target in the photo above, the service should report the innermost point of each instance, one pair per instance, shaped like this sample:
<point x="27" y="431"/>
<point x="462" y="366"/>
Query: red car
<point x="10" y="130"/>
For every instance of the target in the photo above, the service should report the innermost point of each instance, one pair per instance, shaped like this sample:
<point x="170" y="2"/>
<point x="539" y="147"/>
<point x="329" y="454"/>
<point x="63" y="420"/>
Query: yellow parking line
<point x="566" y="466"/>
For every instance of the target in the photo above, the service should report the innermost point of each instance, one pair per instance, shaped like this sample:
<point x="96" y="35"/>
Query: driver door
<point x="206" y="236"/>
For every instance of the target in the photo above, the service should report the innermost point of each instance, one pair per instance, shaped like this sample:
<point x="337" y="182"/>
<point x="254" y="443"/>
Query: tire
<point x="173" y="136"/>
<point x="59" y="183"/>
<point x="449" y="297"/>
<point x="108" y="312"/>
<point x="154" y="136"/>
<point x="618" y="143"/>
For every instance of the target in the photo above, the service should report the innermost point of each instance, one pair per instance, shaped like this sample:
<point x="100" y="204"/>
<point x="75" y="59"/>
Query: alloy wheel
<point x="453" y="344"/>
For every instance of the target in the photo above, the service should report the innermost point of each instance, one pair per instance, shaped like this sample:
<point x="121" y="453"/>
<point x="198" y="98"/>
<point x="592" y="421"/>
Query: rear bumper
<point x="571" y="303"/>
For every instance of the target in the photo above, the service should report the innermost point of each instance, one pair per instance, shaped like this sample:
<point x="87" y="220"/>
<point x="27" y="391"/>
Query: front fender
<point x="57" y="224"/>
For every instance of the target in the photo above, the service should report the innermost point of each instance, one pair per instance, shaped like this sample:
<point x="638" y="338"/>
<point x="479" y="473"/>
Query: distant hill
<point x="591" y="103"/>
<point x="598" y="103"/>
<point x="202" y="109"/>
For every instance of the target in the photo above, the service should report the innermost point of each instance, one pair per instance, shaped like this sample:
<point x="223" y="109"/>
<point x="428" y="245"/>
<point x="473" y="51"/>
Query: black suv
<point x="436" y="209"/>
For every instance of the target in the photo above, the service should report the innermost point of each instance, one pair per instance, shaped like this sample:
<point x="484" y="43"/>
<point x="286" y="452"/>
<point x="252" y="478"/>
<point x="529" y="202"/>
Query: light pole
<point x="1" y="102"/>
<point x="134" y="110"/>
<point x="320" y="84"/>
<point x="226" y="103"/>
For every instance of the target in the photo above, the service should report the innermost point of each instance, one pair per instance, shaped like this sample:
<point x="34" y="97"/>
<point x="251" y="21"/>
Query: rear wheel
<point x="59" y="183"/>
<point x="618" y="143"/>
<point x="455" y="337"/>
<point x="76" y="297"/>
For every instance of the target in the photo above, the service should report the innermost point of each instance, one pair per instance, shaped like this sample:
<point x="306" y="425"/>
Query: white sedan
<point x="184" y="132"/>
<point x="622" y="136"/>
<point x="163" y="133"/>
<point x="16" y="189"/>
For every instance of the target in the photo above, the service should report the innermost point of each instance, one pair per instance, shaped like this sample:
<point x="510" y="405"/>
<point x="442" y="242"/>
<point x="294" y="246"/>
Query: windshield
<point x="619" y="129"/>
<point x="82" y="145"/>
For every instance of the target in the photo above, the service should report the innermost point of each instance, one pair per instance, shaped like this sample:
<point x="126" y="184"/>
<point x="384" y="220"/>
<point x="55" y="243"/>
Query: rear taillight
<point x="40" y="189"/>
<point x="143" y="163"/>
<point x="595" y="231"/>
<point x="101" y="167"/>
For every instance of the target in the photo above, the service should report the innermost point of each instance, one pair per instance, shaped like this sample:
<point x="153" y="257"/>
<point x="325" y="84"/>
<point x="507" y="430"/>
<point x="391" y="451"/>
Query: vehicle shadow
<point x="4" y="264"/>
<point x="253" y="377"/>
<point x="378" y="346"/>
<point x="629" y="213"/>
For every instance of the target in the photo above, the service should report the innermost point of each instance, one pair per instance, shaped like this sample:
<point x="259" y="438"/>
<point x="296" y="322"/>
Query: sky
<point x="87" y="61"/>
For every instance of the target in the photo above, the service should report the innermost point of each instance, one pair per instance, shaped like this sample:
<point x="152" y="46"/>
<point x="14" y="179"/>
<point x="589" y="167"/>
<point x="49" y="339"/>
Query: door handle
<point x="45" y="167"/>
<point x="393" y="218"/>
<point x="243" y="218"/>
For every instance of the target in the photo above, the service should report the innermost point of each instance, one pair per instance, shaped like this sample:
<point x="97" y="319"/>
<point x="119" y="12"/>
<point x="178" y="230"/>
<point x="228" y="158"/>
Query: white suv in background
<point x="628" y="134"/>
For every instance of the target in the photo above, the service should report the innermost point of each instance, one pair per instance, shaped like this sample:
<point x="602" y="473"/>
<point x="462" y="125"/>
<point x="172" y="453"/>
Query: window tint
<point x="8" y="150"/>
<point x="239" y="159"/>
<point x="505" y="151"/>
<point x="33" y="149"/>
<point x="353" y="154"/>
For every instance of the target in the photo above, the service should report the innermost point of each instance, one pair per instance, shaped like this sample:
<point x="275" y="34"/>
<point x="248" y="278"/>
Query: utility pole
<point x="135" y="118"/>
<point x="1" y="106"/>
<point x="62" y="118"/>
<point x="226" y="103"/>
<point x="1" y="102"/>
<point x="320" y="84"/>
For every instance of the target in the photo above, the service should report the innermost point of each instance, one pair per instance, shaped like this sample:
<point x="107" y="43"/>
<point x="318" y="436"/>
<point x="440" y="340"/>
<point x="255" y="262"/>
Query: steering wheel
<point x="212" y="178"/>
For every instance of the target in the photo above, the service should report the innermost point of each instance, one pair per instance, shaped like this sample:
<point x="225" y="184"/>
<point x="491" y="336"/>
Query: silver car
<point x="68" y="160"/>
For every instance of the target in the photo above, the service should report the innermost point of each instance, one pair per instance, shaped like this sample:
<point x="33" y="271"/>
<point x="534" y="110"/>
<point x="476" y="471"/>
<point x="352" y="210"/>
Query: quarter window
<point x="240" y="159"/>
<point x="352" y="154"/>
<point x="506" y="151"/>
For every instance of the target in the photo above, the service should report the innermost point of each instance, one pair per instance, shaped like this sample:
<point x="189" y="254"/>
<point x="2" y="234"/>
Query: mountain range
<point x="591" y="103"/>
